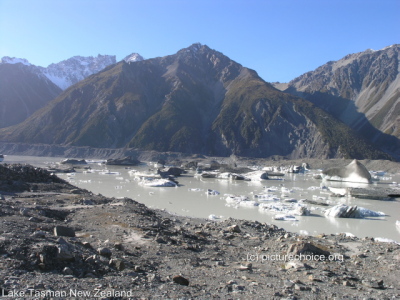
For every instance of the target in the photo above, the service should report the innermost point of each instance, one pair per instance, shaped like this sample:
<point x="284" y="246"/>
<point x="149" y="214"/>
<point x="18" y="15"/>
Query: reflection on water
<point x="191" y="198"/>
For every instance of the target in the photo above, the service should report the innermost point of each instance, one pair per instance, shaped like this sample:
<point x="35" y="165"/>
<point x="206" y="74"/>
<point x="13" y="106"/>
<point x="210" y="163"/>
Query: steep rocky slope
<point x="195" y="101"/>
<point x="362" y="90"/>
<point x="22" y="91"/>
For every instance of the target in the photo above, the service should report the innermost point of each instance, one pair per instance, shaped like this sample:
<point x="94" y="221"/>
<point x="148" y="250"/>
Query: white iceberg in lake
<point x="345" y="211"/>
<point x="353" y="172"/>
<point x="248" y="203"/>
<point x="214" y="217"/>
<point x="286" y="208"/>
<point x="158" y="183"/>
<point x="257" y="175"/>
<point x="266" y="197"/>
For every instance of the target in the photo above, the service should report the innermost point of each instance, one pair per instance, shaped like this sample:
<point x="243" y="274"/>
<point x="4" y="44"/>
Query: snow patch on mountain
<point x="133" y="58"/>
<point x="14" y="60"/>
<point x="70" y="71"/>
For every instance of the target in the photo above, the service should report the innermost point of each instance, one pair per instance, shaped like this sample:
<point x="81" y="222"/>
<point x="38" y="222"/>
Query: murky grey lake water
<point x="190" y="198"/>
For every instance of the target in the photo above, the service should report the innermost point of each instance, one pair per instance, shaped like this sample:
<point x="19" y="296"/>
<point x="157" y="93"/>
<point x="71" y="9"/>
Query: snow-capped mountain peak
<point x="14" y="60"/>
<point x="133" y="57"/>
<point x="77" y="68"/>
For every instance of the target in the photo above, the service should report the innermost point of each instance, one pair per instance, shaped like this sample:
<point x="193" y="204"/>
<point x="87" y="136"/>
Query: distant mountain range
<point x="195" y="101"/>
<point x="24" y="88"/>
<point x="362" y="90"/>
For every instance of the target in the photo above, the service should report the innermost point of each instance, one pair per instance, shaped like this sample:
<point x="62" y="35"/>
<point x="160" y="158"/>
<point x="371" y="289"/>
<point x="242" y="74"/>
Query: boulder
<point x="65" y="253"/>
<point x="64" y="231"/>
<point x="104" y="252"/>
<point x="118" y="264"/>
<point x="180" y="280"/>
<point x="234" y="228"/>
<point x="306" y="248"/>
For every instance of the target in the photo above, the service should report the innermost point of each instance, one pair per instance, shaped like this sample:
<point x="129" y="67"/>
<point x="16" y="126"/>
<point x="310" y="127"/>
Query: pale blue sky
<point x="280" y="39"/>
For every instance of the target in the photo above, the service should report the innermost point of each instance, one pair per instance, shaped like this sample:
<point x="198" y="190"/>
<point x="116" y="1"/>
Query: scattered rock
<point x="180" y="280"/>
<point x="117" y="264"/>
<point x="306" y="248"/>
<point x="68" y="271"/>
<point x="104" y="252"/>
<point x="234" y="228"/>
<point x="64" y="231"/>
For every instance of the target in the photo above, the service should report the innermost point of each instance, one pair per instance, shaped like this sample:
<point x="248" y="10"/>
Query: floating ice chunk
<point x="195" y="190"/>
<point x="370" y="213"/>
<point x="266" y="197"/>
<point x="108" y="172"/>
<point x="377" y="173"/>
<point x="338" y="191"/>
<point x="257" y="175"/>
<point x="304" y="232"/>
<point x="159" y="183"/>
<point x="345" y="211"/>
<point x="300" y="210"/>
<point x="212" y="192"/>
<point x="248" y="203"/>
<point x="285" y="217"/>
<point x="286" y="190"/>
<point x="214" y="217"/>
<point x="271" y="188"/>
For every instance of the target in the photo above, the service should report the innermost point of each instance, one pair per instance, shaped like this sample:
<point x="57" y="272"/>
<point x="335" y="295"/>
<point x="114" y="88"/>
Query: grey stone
<point x="104" y="252"/>
<point x="180" y="280"/>
<point x="234" y="228"/>
<point x="117" y="264"/>
<point x="64" y="231"/>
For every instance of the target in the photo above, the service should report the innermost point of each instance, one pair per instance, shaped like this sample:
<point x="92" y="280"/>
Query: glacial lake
<point x="190" y="197"/>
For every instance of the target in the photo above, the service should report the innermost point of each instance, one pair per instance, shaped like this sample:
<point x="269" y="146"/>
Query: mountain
<point x="195" y="101"/>
<point x="362" y="90"/>
<point x="71" y="71"/>
<point x="23" y="90"/>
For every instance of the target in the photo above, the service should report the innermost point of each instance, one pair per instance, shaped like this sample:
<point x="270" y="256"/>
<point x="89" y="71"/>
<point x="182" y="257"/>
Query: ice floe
<point x="345" y="211"/>
<point x="158" y="183"/>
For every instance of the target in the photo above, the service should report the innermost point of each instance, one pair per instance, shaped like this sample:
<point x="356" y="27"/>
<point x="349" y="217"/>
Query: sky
<point x="280" y="39"/>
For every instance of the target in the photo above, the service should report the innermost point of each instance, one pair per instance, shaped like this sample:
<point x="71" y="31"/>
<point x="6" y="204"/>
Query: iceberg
<point x="345" y="211"/>
<point x="159" y="183"/>
<point x="353" y="172"/>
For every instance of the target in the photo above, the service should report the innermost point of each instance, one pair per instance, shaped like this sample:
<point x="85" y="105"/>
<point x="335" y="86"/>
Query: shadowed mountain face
<point x="23" y="90"/>
<point x="195" y="101"/>
<point x="362" y="90"/>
